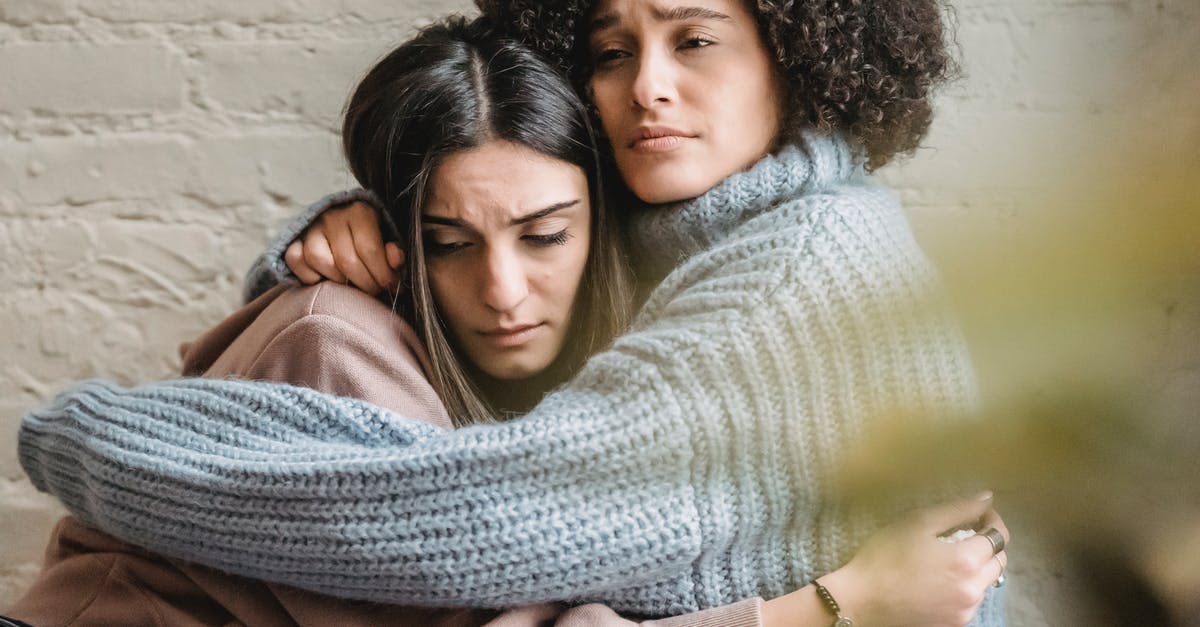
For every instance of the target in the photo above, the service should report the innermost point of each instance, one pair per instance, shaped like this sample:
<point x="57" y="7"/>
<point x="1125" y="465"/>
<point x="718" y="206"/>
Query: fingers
<point x="369" y="246"/>
<point x="977" y="587"/>
<point x="992" y="519"/>
<point x="344" y="245"/>
<point x="345" y="255"/>
<point x="395" y="255"/>
<point x="395" y="259"/>
<point x="991" y="571"/>
<point x="981" y="546"/>
<point x="961" y="513"/>
<point x="996" y="566"/>
<point x="294" y="257"/>
<point x="980" y="542"/>
<point x="319" y="257"/>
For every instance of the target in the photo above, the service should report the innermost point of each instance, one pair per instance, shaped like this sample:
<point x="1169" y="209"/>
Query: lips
<point x="653" y="139"/>
<point x="511" y="336"/>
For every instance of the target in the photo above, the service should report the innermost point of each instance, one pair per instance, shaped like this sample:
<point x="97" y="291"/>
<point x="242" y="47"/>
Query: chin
<point x="665" y="185"/>
<point x="514" y="371"/>
<point x="656" y="193"/>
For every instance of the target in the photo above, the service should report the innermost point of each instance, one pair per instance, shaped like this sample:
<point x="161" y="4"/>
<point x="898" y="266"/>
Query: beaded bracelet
<point x="832" y="605"/>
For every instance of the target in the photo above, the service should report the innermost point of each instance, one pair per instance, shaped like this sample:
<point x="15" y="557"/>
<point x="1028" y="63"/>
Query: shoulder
<point x="845" y="225"/>
<point x="852" y="234"/>
<point x="325" y="299"/>
<point x="798" y="229"/>
<point x="329" y="302"/>
<point x="342" y="321"/>
<point x="339" y="340"/>
<point x="851" y="206"/>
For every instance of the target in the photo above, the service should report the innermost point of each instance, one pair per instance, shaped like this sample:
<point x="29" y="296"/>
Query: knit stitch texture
<point x="681" y="469"/>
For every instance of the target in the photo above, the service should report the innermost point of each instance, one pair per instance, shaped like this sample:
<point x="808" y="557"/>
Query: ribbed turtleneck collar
<point x="662" y="236"/>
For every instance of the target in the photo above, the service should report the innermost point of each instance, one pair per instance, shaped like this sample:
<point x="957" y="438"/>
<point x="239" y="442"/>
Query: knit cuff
<point x="41" y="439"/>
<point x="29" y="458"/>
<point x="270" y="269"/>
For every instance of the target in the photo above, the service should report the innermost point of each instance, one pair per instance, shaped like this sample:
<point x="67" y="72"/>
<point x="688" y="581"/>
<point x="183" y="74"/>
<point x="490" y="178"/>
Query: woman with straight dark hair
<point x="481" y="89"/>
<point x="424" y="130"/>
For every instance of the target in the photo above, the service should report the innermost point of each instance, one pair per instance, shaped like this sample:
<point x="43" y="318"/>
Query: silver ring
<point x="1001" y="580"/>
<point x="996" y="538"/>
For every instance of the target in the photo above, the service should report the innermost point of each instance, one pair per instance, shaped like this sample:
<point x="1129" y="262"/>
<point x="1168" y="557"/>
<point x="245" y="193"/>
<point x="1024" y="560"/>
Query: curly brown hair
<point x="867" y="67"/>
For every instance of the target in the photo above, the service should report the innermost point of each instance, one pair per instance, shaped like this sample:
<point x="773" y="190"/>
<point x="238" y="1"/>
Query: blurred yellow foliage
<point x="1074" y="430"/>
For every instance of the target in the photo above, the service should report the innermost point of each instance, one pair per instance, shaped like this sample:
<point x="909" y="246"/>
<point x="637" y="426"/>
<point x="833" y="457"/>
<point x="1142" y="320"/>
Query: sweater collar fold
<point x="663" y="236"/>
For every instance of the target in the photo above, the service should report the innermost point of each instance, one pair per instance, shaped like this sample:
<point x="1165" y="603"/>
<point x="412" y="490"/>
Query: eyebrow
<point x="529" y="217"/>
<point x="675" y="14"/>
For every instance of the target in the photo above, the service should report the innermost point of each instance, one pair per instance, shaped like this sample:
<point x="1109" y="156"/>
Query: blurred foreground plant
<point x="1074" y="430"/>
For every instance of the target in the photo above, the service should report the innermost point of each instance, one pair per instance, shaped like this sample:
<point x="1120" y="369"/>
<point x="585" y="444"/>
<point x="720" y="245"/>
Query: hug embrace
<point x="617" y="295"/>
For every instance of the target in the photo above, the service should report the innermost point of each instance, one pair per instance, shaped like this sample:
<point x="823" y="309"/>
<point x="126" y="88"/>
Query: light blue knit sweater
<point x="680" y="470"/>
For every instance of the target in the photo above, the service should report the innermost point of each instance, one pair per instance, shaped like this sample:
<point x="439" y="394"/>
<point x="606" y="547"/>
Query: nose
<point x="654" y="84"/>
<point x="504" y="282"/>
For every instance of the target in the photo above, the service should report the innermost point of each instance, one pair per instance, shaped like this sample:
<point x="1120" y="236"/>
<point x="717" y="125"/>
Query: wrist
<point x="800" y="608"/>
<point x="846" y="587"/>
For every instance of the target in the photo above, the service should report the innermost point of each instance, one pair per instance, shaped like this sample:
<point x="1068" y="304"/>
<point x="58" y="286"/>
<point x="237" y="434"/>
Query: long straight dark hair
<point x="456" y="86"/>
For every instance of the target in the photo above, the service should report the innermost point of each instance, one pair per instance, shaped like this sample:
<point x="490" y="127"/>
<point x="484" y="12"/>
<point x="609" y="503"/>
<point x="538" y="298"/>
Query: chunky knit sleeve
<point x="270" y="269"/>
<point x="285" y="484"/>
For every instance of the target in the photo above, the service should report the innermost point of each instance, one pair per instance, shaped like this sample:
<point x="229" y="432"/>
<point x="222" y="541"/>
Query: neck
<point x="513" y="397"/>
<point x="662" y="236"/>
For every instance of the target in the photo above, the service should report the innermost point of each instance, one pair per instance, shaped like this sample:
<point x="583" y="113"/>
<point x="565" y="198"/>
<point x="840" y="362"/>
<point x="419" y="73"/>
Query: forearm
<point x="801" y="608"/>
<point x="275" y="493"/>
<point x="804" y="608"/>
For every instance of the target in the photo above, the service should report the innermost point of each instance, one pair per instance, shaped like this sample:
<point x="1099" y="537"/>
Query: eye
<point x="696" y="41"/>
<point x="554" y="239"/>
<point x="608" y="56"/>
<point x="437" y="249"/>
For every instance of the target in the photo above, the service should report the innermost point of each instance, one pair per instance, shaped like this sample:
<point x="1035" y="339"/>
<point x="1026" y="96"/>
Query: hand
<point x="345" y="245"/>
<point x="905" y="575"/>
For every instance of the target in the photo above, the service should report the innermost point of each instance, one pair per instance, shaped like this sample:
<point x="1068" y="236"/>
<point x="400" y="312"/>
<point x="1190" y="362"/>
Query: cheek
<point x="767" y="102"/>
<point x="604" y="98"/>
<point x="751" y="114"/>
<point x="579" y="263"/>
<point x="563" y="274"/>
<point x="449" y="288"/>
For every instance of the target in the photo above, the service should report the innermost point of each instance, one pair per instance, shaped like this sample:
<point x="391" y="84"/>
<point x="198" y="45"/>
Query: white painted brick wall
<point x="149" y="147"/>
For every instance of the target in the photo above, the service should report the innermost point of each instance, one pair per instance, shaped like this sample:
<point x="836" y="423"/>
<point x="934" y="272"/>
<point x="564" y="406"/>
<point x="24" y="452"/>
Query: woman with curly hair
<point x="683" y="468"/>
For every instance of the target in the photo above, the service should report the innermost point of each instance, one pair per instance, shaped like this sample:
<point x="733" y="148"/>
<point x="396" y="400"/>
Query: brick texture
<point x="148" y="149"/>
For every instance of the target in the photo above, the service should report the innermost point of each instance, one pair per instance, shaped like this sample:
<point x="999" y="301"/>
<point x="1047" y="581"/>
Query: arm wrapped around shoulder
<point x="270" y="269"/>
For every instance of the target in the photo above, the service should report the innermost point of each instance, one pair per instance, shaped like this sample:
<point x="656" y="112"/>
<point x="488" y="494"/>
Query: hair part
<point x="455" y="86"/>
